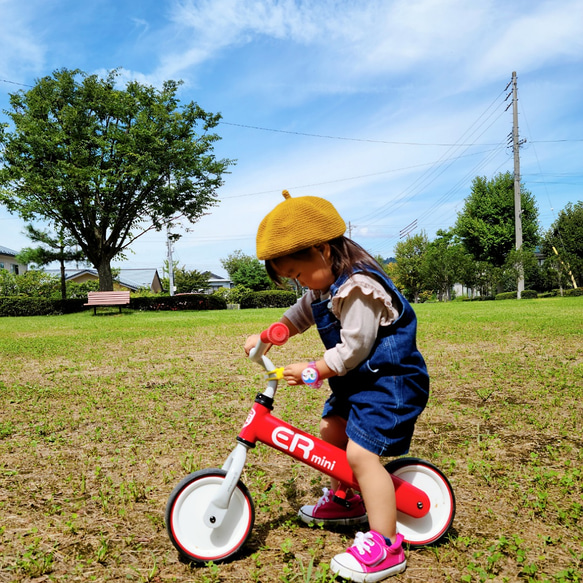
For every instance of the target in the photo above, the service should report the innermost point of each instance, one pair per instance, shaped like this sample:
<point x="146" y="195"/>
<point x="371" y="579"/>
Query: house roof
<point x="215" y="277"/>
<point x="131" y="278"/>
<point x="7" y="251"/>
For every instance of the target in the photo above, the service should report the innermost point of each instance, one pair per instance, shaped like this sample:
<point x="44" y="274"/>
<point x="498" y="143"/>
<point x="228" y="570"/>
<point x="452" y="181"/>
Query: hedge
<point x="527" y="294"/>
<point x="26" y="306"/>
<point x="269" y="299"/>
<point x="179" y="302"/>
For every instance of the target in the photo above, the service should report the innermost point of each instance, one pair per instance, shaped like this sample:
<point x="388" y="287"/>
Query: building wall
<point x="9" y="263"/>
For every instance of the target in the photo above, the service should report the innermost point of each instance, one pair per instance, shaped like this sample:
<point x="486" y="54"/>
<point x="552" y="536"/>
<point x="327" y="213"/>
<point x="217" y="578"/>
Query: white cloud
<point x="550" y="32"/>
<point x="21" y="50"/>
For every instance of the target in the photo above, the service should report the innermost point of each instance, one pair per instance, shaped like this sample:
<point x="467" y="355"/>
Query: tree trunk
<point x="105" y="276"/>
<point x="63" y="281"/>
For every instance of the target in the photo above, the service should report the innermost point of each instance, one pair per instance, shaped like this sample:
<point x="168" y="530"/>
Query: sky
<point x="387" y="108"/>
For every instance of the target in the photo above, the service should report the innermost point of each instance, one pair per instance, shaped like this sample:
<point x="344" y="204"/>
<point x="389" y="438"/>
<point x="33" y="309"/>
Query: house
<point x="8" y="261"/>
<point x="132" y="279"/>
<point x="216" y="282"/>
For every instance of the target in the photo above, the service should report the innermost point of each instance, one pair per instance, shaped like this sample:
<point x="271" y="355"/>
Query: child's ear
<point x="324" y="249"/>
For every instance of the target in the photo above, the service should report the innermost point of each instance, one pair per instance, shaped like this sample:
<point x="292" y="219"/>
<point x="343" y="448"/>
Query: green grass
<point x="101" y="416"/>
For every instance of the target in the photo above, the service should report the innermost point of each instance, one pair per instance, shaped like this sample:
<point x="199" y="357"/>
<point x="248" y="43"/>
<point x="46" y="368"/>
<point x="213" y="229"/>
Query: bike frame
<point x="264" y="427"/>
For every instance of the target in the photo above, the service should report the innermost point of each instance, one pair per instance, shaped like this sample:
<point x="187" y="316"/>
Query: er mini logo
<point x="290" y="441"/>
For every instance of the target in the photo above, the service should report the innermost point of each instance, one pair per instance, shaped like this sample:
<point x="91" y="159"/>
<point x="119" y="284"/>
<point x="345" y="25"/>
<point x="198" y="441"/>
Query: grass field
<point x="101" y="416"/>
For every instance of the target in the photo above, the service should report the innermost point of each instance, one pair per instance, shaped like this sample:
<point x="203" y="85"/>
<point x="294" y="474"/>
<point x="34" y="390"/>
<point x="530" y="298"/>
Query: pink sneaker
<point x="328" y="511"/>
<point x="370" y="559"/>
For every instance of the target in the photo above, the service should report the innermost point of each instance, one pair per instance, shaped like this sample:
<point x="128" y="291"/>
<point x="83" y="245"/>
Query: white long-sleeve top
<point x="361" y="304"/>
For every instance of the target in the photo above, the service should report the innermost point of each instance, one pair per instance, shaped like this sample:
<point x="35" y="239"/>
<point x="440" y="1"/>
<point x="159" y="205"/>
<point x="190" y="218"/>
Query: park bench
<point x="108" y="298"/>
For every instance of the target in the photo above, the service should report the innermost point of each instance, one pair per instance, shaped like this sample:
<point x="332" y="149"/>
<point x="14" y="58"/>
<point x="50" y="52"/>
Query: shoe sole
<point x="358" y="577"/>
<point x="337" y="521"/>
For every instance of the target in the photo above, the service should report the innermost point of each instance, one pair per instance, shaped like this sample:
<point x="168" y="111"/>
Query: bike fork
<point x="219" y="505"/>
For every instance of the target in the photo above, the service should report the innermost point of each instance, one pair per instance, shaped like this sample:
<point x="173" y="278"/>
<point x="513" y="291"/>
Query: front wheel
<point x="425" y="476"/>
<point x="185" y="511"/>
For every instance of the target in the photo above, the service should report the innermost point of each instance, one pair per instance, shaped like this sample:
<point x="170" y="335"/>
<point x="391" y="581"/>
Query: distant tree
<point x="247" y="271"/>
<point x="53" y="247"/>
<point x="32" y="283"/>
<point x="392" y="271"/>
<point x="445" y="263"/>
<point x="107" y="164"/>
<point x="190" y="281"/>
<point x="486" y="224"/>
<point x="38" y="284"/>
<point x="410" y="255"/>
<point x="8" y="285"/>
<point x="563" y="244"/>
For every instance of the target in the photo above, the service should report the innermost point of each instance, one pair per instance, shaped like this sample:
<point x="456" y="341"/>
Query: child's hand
<point x="251" y="342"/>
<point x="292" y="373"/>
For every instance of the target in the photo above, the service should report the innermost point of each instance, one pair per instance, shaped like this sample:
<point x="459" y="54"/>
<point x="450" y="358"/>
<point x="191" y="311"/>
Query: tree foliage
<point x="409" y="267"/>
<point x="107" y="164"/>
<point x="445" y="263"/>
<point x="247" y="271"/>
<point x="193" y="281"/>
<point x="52" y="247"/>
<point x="486" y="224"/>
<point x="563" y="244"/>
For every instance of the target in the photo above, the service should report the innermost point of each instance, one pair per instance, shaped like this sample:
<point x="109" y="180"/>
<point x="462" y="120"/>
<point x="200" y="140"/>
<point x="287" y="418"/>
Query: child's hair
<point x="345" y="254"/>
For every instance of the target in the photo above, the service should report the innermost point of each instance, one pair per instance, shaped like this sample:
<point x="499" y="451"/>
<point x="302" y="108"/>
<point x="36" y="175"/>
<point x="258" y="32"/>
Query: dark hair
<point x="346" y="256"/>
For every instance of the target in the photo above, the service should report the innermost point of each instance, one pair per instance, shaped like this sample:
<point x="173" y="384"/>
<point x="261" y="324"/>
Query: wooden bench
<point x="107" y="298"/>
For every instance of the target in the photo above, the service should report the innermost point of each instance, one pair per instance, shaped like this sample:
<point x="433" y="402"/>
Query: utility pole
<point x="517" y="201"/>
<point x="170" y="263"/>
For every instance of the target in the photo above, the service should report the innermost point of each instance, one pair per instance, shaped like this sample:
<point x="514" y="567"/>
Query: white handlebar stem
<point x="257" y="355"/>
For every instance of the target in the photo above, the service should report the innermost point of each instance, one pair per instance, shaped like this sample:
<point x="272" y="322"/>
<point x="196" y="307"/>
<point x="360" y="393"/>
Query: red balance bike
<point x="210" y="513"/>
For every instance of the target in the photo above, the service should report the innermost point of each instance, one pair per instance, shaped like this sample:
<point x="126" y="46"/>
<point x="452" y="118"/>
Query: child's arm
<point x="292" y="373"/>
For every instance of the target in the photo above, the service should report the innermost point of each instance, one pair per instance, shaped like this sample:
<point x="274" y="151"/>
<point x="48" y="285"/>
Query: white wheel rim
<point x="188" y="527"/>
<point x="429" y="528"/>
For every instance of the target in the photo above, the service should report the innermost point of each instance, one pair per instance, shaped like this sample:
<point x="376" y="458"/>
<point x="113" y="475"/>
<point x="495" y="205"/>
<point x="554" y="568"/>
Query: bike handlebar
<point x="277" y="333"/>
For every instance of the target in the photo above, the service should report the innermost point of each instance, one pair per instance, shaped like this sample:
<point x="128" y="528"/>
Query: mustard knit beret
<point x="296" y="224"/>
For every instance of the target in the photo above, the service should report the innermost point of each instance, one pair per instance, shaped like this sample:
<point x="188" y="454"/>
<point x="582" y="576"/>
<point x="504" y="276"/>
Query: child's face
<point x="312" y="270"/>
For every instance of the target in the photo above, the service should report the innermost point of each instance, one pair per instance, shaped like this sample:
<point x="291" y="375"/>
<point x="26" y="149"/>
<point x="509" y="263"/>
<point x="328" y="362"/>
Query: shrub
<point x="269" y="299"/>
<point x="507" y="296"/>
<point x="527" y="294"/>
<point x="574" y="292"/>
<point x="179" y="302"/>
<point x="237" y="294"/>
<point x="24" y="306"/>
<point x="80" y="290"/>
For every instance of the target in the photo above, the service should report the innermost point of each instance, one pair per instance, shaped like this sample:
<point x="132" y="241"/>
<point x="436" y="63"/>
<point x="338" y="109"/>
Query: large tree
<point x="486" y="223"/>
<point x="107" y="164"/>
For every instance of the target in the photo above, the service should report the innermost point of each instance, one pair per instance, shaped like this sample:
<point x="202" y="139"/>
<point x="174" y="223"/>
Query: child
<point x="378" y="378"/>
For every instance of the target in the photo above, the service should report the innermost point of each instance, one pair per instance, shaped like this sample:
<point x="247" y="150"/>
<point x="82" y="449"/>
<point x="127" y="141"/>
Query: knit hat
<point x="296" y="224"/>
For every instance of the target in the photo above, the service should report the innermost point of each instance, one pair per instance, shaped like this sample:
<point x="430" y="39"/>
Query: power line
<point x="15" y="83"/>
<point x="368" y="140"/>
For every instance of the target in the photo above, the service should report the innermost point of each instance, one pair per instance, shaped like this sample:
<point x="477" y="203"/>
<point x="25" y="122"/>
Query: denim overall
<point x="383" y="396"/>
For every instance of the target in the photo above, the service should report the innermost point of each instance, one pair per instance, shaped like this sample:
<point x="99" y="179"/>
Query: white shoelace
<point x="363" y="542"/>
<point x="325" y="498"/>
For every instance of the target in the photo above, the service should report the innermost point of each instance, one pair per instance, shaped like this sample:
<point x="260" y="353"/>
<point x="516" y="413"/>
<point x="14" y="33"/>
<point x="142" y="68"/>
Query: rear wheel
<point x="425" y="476"/>
<point x="185" y="511"/>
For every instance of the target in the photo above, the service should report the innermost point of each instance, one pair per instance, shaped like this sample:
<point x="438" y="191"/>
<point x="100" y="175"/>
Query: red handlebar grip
<point x="277" y="334"/>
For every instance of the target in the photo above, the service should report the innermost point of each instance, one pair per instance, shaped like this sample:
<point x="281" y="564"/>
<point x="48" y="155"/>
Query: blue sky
<point x="387" y="108"/>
